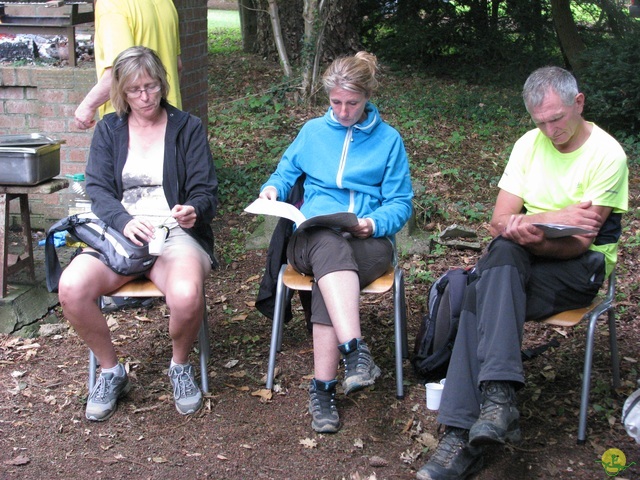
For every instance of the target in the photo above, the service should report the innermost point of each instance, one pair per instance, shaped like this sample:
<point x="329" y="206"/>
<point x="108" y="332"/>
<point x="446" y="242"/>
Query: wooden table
<point x="10" y="264"/>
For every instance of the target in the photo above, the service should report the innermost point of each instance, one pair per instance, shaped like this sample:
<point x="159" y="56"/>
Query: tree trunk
<point x="340" y="29"/>
<point x="277" y="36"/>
<point x="570" y="42"/>
<point x="314" y="24"/>
<point x="248" y="25"/>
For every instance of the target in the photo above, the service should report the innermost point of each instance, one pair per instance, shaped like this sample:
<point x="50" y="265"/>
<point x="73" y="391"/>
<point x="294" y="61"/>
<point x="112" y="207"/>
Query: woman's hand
<point x="138" y="231"/>
<point x="364" y="228"/>
<point x="185" y="215"/>
<point x="269" y="193"/>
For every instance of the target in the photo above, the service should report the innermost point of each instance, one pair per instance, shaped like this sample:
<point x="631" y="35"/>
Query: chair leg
<point x="276" y="330"/>
<point x="93" y="362"/>
<point x="93" y="366"/>
<point x="613" y="347"/>
<point x="586" y="378"/>
<point x="400" y="329"/>
<point x="203" y="340"/>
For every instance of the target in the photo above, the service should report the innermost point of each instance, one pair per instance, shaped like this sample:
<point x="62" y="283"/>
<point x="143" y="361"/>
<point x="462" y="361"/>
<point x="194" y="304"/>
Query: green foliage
<point x="612" y="85"/>
<point x="461" y="38"/>
<point x="224" y="41"/>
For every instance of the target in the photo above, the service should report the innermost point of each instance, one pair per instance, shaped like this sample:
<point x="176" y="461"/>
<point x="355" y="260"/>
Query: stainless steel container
<point x="28" y="159"/>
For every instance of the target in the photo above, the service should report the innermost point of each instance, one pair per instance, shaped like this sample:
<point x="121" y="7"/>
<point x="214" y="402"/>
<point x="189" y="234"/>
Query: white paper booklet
<point x="554" y="230"/>
<point x="342" y="220"/>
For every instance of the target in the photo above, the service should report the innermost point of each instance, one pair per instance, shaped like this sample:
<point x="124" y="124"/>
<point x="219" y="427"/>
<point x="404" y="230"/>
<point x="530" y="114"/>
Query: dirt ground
<point x="244" y="432"/>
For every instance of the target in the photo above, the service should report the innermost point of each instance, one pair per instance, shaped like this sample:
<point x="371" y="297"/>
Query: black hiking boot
<point x="453" y="459"/>
<point x="499" y="418"/>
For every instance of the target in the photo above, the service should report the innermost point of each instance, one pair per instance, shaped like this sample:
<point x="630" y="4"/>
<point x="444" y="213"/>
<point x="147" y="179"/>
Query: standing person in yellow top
<point x="120" y="24"/>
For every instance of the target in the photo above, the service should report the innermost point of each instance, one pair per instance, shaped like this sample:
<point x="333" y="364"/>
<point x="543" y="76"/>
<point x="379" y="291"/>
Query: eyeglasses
<point x="136" y="92"/>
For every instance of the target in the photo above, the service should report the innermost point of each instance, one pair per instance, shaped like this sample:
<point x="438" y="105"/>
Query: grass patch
<point x="217" y="19"/>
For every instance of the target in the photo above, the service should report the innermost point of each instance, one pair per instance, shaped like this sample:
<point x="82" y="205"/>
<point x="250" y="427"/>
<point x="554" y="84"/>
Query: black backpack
<point x="438" y="329"/>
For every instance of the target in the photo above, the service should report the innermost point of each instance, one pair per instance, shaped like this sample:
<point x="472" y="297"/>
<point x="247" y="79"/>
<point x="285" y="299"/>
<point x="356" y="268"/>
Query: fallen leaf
<point x="17" y="374"/>
<point x="221" y="457"/>
<point x="253" y="278"/>
<point x="239" y="318"/>
<point x="264" y="393"/>
<point x="308" y="443"/>
<point x="159" y="460"/>
<point x="19" y="460"/>
<point x="26" y="347"/>
<point x="231" y="363"/>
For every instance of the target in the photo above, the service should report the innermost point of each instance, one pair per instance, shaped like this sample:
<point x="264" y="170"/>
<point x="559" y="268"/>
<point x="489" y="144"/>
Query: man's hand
<point x="521" y="232"/>
<point x="84" y="117"/>
<point x="579" y="215"/>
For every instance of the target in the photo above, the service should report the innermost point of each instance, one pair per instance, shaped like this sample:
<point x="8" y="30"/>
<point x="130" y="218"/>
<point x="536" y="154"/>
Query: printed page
<point x="554" y="230"/>
<point x="341" y="220"/>
<point x="261" y="206"/>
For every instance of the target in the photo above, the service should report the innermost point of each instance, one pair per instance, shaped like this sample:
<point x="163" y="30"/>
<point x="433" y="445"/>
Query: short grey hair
<point x="557" y="79"/>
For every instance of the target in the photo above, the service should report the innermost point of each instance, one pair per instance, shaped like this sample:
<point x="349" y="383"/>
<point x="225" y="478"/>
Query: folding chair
<point x="570" y="318"/>
<point x="289" y="279"/>
<point x="145" y="288"/>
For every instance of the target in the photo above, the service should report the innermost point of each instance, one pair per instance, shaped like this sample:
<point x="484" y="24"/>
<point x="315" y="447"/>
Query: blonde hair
<point x="128" y="66"/>
<point x="356" y="73"/>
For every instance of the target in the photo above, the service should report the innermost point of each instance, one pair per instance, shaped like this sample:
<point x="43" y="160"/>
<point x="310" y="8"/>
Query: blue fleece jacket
<point x="361" y="169"/>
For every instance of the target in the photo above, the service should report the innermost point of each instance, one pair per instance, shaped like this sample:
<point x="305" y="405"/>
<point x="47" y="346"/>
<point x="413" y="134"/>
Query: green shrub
<point x="611" y="84"/>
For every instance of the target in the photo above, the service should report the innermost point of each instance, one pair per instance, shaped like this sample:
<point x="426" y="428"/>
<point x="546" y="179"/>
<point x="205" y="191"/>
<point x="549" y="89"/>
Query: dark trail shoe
<point x="453" y="459"/>
<point x="359" y="369"/>
<point x="322" y="406"/>
<point x="499" y="420"/>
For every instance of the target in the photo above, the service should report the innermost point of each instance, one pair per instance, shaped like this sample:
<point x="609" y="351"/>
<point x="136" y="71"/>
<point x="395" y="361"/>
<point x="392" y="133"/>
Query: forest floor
<point x="244" y="431"/>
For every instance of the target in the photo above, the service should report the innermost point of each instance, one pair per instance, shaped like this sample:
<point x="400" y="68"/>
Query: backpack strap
<point x="53" y="269"/>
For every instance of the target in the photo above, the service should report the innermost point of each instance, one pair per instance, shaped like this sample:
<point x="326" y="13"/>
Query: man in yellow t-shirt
<point x="120" y="24"/>
<point x="567" y="172"/>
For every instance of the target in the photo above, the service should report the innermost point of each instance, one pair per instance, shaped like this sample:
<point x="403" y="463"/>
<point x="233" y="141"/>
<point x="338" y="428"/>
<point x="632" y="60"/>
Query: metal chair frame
<point x="571" y="318"/>
<point x="145" y="288"/>
<point x="289" y="279"/>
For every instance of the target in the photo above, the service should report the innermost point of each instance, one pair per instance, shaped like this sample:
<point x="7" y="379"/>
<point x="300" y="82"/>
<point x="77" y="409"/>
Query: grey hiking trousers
<point x="512" y="286"/>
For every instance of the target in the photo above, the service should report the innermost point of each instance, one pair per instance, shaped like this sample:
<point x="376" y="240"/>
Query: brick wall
<point x="35" y="99"/>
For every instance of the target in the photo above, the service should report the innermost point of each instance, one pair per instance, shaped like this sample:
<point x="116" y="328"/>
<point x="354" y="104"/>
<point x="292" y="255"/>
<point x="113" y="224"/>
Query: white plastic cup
<point x="156" y="244"/>
<point x="434" y="393"/>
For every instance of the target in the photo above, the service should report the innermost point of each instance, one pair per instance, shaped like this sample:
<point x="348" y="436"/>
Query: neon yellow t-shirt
<point x="549" y="180"/>
<point x="120" y="24"/>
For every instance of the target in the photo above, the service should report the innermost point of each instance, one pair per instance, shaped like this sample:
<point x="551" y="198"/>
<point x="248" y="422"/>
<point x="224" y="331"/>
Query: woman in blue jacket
<point x="353" y="162"/>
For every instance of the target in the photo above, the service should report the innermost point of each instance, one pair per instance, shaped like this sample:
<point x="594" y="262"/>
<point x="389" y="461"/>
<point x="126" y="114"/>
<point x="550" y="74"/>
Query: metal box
<point x="28" y="159"/>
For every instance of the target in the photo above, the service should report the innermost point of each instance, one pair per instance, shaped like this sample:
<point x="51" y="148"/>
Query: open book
<point x="554" y="230"/>
<point x="340" y="220"/>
